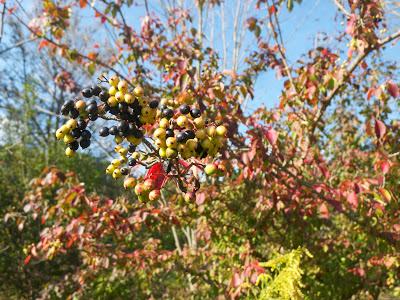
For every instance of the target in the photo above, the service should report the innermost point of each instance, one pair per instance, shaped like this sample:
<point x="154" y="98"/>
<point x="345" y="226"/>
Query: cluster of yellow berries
<point x="179" y="130"/>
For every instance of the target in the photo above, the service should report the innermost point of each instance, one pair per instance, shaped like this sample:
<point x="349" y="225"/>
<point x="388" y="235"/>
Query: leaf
<point x="272" y="136"/>
<point x="27" y="259"/>
<point x="352" y="199"/>
<point x="157" y="173"/>
<point x="82" y="3"/>
<point x="290" y="5"/>
<point x="380" y="129"/>
<point x="393" y="89"/>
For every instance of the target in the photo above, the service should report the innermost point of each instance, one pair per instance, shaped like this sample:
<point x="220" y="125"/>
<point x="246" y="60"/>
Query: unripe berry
<point x="182" y="121"/>
<point x="123" y="86"/>
<point x="211" y="131"/>
<point x="118" y="139"/>
<point x="68" y="139"/>
<point x="171" y="153"/>
<point x="160" y="143"/>
<point x="80" y="105"/>
<point x="206" y="143"/>
<point x="113" y="81"/>
<point x="112" y="91"/>
<point x="116" y="174"/>
<point x="116" y="162"/>
<point x="71" y="124"/>
<point x="139" y="189"/>
<point x="112" y="101"/>
<point x="120" y="96"/>
<point x="110" y="169"/>
<point x="164" y="123"/>
<point x="154" y="195"/>
<point x="159" y="133"/>
<point x="210" y="169"/>
<point x="221" y="130"/>
<point x="191" y="144"/>
<point x="201" y="134"/>
<point x="69" y="152"/>
<point x="136" y="155"/>
<point x="60" y="134"/>
<point x="123" y="151"/>
<point x="162" y="152"/>
<point x="138" y="91"/>
<point x="199" y="122"/>
<point x="149" y="184"/>
<point x="129" y="98"/>
<point x="133" y="140"/>
<point x="171" y="142"/>
<point x="129" y="183"/>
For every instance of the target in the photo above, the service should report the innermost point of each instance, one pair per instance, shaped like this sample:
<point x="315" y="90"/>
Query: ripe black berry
<point x="70" y="104"/>
<point x="104" y="132"/>
<point x="93" y="117"/>
<point x="190" y="134"/>
<point x="104" y="96"/>
<point x="123" y="107"/>
<point x="74" y="145"/>
<point x="87" y="93"/>
<point x="195" y="112"/>
<point x="84" y="143"/>
<point x="74" y="113"/>
<point x="168" y="113"/>
<point x="76" y="133"/>
<point x="123" y="126"/>
<point x="96" y="90"/>
<point x="181" y="137"/>
<point x="169" y="133"/>
<point x="184" y="109"/>
<point x="86" y="134"/>
<point x="132" y="162"/>
<point x="137" y="133"/>
<point x="131" y="148"/>
<point x="92" y="109"/>
<point x="113" y="130"/>
<point x="153" y="104"/>
<point x="81" y="124"/>
<point x="124" y="171"/>
<point x="92" y="102"/>
<point x="64" y="110"/>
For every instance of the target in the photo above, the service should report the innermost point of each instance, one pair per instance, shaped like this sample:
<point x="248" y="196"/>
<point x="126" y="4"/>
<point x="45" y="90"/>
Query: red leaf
<point x="272" y="9"/>
<point x="27" y="259"/>
<point x="385" y="166"/>
<point x="380" y="129"/>
<point x="42" y="44"/>
<point x="352" y="199"/>
<point x="272" y="136"/>
<point x="236" y="280"/>
<point x="157" y="173"/>
<point x="393" y="89"/>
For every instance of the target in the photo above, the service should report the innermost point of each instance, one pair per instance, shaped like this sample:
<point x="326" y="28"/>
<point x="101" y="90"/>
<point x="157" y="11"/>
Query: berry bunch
<point x="146" y="131"/>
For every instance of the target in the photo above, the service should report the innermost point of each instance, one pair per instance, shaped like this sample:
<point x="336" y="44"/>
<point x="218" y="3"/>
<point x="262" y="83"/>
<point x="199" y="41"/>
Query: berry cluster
<point x="146" y="131"/>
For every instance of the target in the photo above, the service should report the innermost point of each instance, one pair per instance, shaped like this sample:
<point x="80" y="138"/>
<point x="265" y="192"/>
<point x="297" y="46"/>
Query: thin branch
<point x="20" y="43"/>
<point x="357" y="61"/>
<point x="341" y="7"/>
<point x="3" y="13"/>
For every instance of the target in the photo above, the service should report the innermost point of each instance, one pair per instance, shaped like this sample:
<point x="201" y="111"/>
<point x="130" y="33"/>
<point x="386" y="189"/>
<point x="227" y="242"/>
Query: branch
<point x="3" y="13"/>
<point x="341" y="7"/>
<point x="358" y="60"/>
<point x="20" y="43"/>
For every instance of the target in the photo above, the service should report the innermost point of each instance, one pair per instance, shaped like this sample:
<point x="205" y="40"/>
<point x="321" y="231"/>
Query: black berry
<point x="184" y="109"/>
<point x="169" y="133"/>
<point x="153" y="104"/>
<point x="74" y="145"/>
<point x="87" y="93"/>
<point x="195" y="112"/>
<point x="74" y="113"/>
<point x="96" y="90"/>
<point x="168" y="113"/>
<point x="76" y="133"/>
<point x="104" y="96"/>
<point x="86" y="134"/>
<point x="84" y="143"/>
<point x="104" y="132"/>
<point x="113" y="130"/>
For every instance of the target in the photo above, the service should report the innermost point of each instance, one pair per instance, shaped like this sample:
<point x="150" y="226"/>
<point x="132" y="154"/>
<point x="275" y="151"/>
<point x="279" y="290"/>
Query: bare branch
<point x="20" y="43"/>
<point x="341" y="7"/>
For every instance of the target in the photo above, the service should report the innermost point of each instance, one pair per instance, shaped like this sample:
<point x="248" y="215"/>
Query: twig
<point x="3" y="13"/>
<point x="358" y="60"/>
<point x="20" y="43"/>
<point x="341" y="7"/>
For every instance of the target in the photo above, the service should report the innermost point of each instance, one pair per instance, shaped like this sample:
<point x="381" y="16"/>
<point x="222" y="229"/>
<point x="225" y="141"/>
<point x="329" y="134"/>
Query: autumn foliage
<point x="306" y="203"/>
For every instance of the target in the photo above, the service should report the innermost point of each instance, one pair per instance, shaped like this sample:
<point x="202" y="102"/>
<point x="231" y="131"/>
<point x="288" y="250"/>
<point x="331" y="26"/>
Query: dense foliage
<point x="305" y="205"/>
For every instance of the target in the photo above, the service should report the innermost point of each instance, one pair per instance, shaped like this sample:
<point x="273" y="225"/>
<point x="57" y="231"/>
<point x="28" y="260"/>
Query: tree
<point x="318" y="172"/>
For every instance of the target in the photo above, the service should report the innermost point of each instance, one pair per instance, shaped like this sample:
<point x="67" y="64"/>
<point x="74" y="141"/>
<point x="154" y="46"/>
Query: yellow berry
<point x="69" y="152"/>
<point x="129" y="98"/>
<point x="164" y="123"/>
<point x="171" y="142"/>
<point x="110" y="169"/>
<point x="159" y="143"/>
<point x="138" y="91"/>
<point x="133" y="140"/>
<point x="162" y="152"/>
<point x="118" y="139"/>
<point x="211" y="131"/>
<point x="123" y="86"/>
<point x="112" y="91"/>
<point x="112" y="101"/>
<point x="170" y="153"/>
<point x="80" y="105"/>
<point x="191" y="144"/>
<point x="201" y="134"/>
<point x="143" y="102"/>
<point x="68" y="139"/>
<point x="59" y="133"/>
<point x="159" y="133"/>
<point x="221" y="130"/>
<point x="206" y="144"/>
<point x="123" y="151"/>
<point x="136" y="155"/>
<point x="116" y="162"/>
<point x="182" y="121"/>
<point x="119" y="96"/>
<point x="199" y="122"/>
<point x="71" y="124"/>
<point x="146" y="111"/>
<point x="113" y="81"/>
<point x="116" y="174"/>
